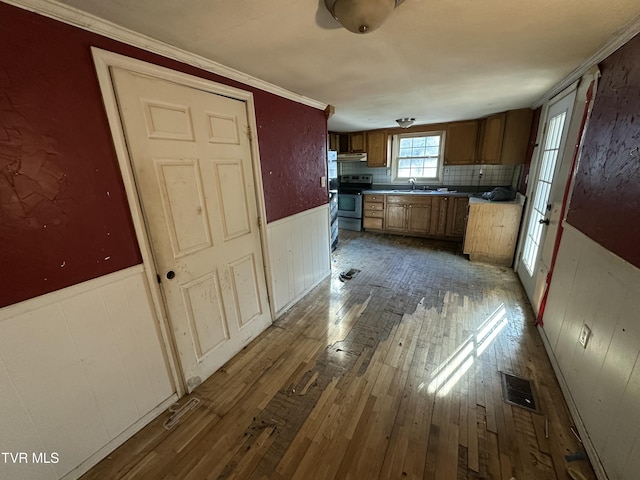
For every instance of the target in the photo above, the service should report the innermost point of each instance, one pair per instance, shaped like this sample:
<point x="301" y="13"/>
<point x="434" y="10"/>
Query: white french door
<point x="540" y="227"/>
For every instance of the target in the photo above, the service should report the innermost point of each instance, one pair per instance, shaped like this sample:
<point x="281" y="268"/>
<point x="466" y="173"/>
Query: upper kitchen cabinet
<point x="349" y="142"/>
<point x="517" y="129"/>
<point x="504" y="137"/>
<point x="333" y="141"/>
<point x="491" y="138"/>
<point x="358" y="142"/>
<point x="377" y="148"/>
<point x="460" y="143"/>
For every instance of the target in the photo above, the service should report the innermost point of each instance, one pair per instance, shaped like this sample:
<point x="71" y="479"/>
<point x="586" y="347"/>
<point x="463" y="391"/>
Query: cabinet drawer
<point x="396" y="198"/>
<point x="369" y="222"/>
<point x="374" y="213"/>
<point x="417" y="199"/>
<point x="373" y="198"/>
<point x="373" y="206"/>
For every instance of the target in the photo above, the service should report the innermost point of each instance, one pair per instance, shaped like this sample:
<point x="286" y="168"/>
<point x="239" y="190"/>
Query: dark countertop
<point x="416" y="192"/>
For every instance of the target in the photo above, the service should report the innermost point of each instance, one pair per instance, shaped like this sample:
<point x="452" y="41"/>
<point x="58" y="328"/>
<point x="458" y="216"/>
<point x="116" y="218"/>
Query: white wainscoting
<point x="592" y="286"/>
<point x="81" y="369"/>
<point x="299" y="255"/>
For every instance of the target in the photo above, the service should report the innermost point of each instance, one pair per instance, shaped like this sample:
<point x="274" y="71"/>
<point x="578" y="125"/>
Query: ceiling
<point x="435" y="60"/>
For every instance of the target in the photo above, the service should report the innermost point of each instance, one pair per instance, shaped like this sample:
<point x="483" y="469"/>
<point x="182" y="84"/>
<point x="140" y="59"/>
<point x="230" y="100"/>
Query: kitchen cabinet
<point x="406" y="213"/>
<point x="333" y="141"/>
<point x="358" y="142"/>
<point x="456" y="216"/>
<point x="491" y="138"/>
<point x="373" y="212"/>
<point x="504" y="137"/>
<point x="492" y="230"/>
<point x="355" y="142"/>
<point x="423" y="215"/>
<point x="377" y="148"/>
<point x="439" y="205"/>
<point x="516" y="136"/>
<point x="460" y="143"/>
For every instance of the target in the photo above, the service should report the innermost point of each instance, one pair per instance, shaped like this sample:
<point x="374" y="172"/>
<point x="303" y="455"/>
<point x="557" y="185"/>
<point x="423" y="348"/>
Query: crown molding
<point x="618" y="40"/>
<point x="77" y="18"/>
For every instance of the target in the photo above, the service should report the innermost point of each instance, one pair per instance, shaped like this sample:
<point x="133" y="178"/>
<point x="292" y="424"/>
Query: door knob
<point x="545" y="221"/>
<point x="171" y="274"/>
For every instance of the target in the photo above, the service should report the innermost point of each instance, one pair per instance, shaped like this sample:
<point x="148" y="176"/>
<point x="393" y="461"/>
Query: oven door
<point x="350" y="205"/>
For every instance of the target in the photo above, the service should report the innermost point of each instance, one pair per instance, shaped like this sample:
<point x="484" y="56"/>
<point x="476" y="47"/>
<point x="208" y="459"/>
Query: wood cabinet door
<point x="517" y="130"/>
<point x="457" y="216"/>
<point x="460" y="143"/>
<point x="419" y="217"/>
<point x="358" y="143"/>
<point x="395" y="216"/>
<point x="343" y="142"/>
<point x="377" y="146"/>
<point x="439" y="215"/>
<point x="491" y="139"/>
<point x="333" y="141"/>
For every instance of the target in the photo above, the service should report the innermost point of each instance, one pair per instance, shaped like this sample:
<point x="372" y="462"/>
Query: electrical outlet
<point x="446" y="171"/>
<point x="323" y="181"/>
<point x="585" y="333"/>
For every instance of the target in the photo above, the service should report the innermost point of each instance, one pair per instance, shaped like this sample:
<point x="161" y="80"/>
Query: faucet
<point x="412" y="181"/>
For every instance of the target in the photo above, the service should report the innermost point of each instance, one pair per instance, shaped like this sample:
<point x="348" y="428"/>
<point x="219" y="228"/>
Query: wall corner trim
<point x="77" y="18"/>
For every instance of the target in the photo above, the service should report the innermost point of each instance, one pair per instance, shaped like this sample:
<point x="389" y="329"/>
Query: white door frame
<point x="564" y="158"/>
<point x="103" y="61"/>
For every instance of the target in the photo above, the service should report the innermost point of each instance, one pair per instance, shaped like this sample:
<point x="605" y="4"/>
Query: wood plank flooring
<point x="393" y="374"/>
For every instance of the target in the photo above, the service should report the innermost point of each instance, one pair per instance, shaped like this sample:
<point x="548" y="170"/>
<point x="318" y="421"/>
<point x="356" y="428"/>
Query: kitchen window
<point x="418" y="155"/>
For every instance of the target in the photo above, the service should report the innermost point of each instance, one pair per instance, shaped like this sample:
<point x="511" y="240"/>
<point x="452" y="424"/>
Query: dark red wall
<point x="64" y="217"/>
<point x="605" y="204"/>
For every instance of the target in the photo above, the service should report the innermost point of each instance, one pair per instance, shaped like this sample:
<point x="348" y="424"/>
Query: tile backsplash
<point x="458" y="175"/>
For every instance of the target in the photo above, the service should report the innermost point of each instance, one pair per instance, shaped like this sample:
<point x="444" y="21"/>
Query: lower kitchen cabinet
<point x="492" y="230"/>
<point x="406" y="213"/>
<point x="441" y="216"/>
<point x="457" y="216"/>
<point x="373" y="214"/>
<point x="439" y="206"/>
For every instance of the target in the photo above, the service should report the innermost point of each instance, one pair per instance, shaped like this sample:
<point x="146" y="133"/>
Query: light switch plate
<point x="585" y="333"/>
<point x="323" y="181"/>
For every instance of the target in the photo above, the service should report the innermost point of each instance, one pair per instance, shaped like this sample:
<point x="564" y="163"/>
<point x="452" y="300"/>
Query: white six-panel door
<point x="191" y="158"/>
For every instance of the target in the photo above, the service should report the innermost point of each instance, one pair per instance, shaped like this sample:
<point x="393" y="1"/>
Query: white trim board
<point x="77" y="18"/>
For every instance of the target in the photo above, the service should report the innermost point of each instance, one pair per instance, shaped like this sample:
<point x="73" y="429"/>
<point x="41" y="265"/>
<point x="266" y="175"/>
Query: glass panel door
<point x="543" y="175"/>
<point x="542" y="190"/>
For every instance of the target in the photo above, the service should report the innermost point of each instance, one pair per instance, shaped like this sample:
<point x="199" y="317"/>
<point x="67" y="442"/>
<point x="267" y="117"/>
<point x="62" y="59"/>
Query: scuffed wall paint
<point x="64" y="216"/>
<point x="606" y="198"/>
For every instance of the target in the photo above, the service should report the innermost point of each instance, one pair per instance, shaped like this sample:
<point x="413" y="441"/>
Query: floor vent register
<point x="518" y="391"/>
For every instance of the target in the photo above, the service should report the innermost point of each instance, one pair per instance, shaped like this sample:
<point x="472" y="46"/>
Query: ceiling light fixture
<point x="361" y="16"/>
<point x="405" y="122"/>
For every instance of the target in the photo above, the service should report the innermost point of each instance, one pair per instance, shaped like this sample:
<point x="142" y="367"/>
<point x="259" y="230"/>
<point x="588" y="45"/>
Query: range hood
<point x="352" y="157"/>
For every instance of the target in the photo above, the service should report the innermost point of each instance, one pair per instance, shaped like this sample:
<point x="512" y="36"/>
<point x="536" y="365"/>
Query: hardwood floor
<point x="394" y="373"/>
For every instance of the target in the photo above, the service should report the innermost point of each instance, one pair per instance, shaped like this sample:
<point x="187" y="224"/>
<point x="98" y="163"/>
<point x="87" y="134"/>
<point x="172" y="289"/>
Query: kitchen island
<point x="492" y="230"/>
